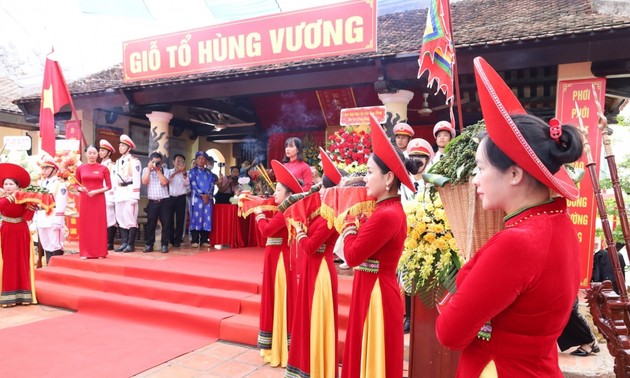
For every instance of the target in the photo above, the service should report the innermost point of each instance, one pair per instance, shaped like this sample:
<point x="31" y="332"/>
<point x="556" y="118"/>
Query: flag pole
<point x="455" y="72"/>
<point x="74" y="112"/>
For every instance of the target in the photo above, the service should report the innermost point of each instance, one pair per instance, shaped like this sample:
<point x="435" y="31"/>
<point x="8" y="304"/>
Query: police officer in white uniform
<point x="50" y="227"/>
<point x="402" y="135"/>
<point x="105" y="151"/>
<point x="127" y="193"/>
<point x="443" y="132"/>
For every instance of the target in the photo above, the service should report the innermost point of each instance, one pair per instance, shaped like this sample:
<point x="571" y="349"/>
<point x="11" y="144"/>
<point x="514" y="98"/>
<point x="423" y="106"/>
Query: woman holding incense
<point x="313" y="351"/>
<point x="276" y="300"/>
<point x="374" y="339"/>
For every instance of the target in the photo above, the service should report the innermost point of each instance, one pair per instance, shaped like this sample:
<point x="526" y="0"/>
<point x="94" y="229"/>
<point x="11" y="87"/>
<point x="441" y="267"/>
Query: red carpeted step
<point x="187" y="318"/>
<point x="240" y="329"/>
<point x="227" y="300"/>
<point x="250" y="305"/>
<point x="192" y="270"/>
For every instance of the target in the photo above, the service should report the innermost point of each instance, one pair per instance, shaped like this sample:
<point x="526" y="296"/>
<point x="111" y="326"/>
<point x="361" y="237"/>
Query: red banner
<point x="361" y="116"/>
<point x="345" y="28"/>
<point x="332" y="101"/>
<point x="583" y="210"/>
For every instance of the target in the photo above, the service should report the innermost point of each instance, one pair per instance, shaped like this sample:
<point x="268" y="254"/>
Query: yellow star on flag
<point x="47" y="98"/>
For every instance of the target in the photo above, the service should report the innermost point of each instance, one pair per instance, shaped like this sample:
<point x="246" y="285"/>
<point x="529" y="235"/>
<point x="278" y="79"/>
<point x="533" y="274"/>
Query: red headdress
<point x="285" y="177"/>
<point x="384" y="149"/>
<point x="330" y="170"/>
<point x="498" y="103"/>
<point x="16" y="172"/>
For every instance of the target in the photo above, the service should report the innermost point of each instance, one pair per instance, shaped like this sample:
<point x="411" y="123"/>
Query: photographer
<point x="228" y="185"/>
<point x="156" y="178"/>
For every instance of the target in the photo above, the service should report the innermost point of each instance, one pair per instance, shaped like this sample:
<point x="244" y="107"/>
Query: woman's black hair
<point x="90" y="145"/>
<point x="286" y="188"/>
<point x="416" y="163"/>
<point x="536" y="132"/>
<point x="297" y="142"/>
<point x="411" y="165"/>
<point x="327" y="183"/>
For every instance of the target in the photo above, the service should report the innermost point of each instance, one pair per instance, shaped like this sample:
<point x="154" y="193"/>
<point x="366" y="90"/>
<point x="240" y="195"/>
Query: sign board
<point x="332" y="30"/>
<point x="583" y="210"/>
<point x="361" y="116"/>
<point x="17" y="143"/>
<point x="67" y="145"/>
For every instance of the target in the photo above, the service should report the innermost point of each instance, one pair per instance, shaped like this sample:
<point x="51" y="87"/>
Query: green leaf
<point x="434" y="179"/>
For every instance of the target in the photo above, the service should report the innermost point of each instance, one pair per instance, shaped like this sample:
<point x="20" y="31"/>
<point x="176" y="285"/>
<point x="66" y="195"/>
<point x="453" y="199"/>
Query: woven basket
<point x="472" y="226"/>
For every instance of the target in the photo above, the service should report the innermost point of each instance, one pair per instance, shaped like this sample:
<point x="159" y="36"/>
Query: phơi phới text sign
<point x="345" y="28"/>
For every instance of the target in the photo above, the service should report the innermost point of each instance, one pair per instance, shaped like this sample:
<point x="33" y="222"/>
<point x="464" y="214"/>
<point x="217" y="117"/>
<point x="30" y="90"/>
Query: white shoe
<point x="344" y="266"/>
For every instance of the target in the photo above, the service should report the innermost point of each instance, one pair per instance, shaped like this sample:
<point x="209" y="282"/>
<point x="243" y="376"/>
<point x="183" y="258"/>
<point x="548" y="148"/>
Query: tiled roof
<point x="476" y="23"/>
<point x="490" y="22"/>
<point x="9" y="91"/>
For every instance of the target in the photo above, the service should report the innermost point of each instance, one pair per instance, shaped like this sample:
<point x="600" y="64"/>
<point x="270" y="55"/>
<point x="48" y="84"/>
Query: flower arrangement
<point x="28" y="162"/>
<point x="310" y="152"/>
<point x="349" y="149"/>
<point x="430" y="260"/>
<point x="68" y="162"/>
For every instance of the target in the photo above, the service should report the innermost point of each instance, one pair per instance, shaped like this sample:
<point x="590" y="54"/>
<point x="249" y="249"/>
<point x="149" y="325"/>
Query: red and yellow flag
<point x="55" y="95"/>
<point x="438" y="54"/>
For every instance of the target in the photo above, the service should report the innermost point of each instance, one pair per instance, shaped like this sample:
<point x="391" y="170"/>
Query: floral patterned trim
<point x="274" y="241"/>
<point x="369" y="266"/>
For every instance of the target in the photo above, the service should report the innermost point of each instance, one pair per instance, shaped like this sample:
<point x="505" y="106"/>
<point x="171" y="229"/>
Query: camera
<point x="157" y="163"/>
<point x="221" y="164"/>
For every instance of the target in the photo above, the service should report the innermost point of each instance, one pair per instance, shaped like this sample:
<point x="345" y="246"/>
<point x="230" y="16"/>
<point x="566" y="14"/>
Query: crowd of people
<point x="506" y="329"/>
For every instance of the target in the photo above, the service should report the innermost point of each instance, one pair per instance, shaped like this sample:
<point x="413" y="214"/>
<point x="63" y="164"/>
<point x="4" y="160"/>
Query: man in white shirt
<point x="178" y="187"/>
<point x="156" y="178"/>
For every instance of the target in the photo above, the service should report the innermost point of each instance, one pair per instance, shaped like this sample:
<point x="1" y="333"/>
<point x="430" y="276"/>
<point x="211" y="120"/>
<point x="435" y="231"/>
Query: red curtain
<point x="275" y="148"/>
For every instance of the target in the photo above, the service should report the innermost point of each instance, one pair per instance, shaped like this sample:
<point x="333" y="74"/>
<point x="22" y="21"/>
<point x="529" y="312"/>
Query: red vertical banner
<point x="583" y="211"/>
<point x="73" y="129"/>
<point x="332" y="101"/>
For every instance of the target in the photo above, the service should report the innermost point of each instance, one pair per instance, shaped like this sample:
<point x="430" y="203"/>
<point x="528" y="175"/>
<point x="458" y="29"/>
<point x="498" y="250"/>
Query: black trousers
<point x="158" y="210"/>
<point x="177" y="216"/>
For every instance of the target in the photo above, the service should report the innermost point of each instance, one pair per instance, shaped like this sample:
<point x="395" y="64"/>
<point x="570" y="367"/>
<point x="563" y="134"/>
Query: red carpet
<point x="134" y="313"/>
<point x="90" y="346"/>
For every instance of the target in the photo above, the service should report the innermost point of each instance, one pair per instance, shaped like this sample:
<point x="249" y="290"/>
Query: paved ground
<point x="222" y="359"/>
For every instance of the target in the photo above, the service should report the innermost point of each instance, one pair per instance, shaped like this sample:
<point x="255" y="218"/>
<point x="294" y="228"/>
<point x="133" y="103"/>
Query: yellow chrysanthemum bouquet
<point x="430" y="260"/>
